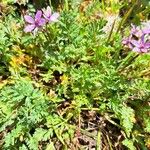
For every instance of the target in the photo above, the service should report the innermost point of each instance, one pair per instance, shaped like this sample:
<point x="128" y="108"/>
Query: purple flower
<point x="139" y="32"/>
<point x="47" y="13"/>
<point x="138" y="40"/>
<point x="136" y="31"/>
<point x="34" y="23"/>
<point x="127" y="42"/>
<point x="146" y="31"/>
<point x="141" y="46"/>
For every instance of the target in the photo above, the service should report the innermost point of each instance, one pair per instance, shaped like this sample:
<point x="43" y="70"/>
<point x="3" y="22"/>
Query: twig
<point x="99" y="141"/>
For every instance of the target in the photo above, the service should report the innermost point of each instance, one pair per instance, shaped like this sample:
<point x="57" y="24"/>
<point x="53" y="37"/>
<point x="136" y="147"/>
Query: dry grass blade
<point x="111" y="31"/>
<point x="99" y="141"/>
<point x="126" y="17"/>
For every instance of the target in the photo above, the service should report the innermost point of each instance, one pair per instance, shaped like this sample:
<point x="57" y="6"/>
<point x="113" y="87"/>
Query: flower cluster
<point x="138" y="40"/>
<point x="41" y="18"/>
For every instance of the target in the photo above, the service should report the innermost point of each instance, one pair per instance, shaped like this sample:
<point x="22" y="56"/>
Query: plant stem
<point x="128" y="60"/>
<point x="66" y="5"/>
<point x="111" y="31"/>
<point x="92" y="109"/>
<point x="125" y="17"/>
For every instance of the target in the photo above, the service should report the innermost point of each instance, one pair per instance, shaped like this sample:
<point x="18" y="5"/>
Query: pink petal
<point x="134" y="29"/>
<point x="29" y="19"/>
<point x="42" y="21"/>
<point x="47" y="18"/>
<point x="124" y="41"/>
<point x="142" y="38"/>
<point x="135" y="49"/>
<point x="38" y="15"/>
<point x="139" y="33"/>
<point x="144" y="50"/>
<point x="48" y="11"/>
<point x="29" y="28"/>
<point x="146" y="31"/>
<point x="54" y="17"/>
<point x="147" y="45"/>
<point x="135" y="43"/>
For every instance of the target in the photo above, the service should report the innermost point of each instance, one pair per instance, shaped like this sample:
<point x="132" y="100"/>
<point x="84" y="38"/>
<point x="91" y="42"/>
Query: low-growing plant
<point x="75" y="79"/>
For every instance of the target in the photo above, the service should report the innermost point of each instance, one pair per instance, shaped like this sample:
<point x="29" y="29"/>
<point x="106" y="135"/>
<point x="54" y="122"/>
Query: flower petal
<point x="144" y="50"/>
<point x="146" y="31"/>
<point x="142" y="39"/>
<point x="147" y="45"/>
<point x="38" y="15"/>
<point x="29" y="28"/>
<point x="136" y="31"/>
<point x="54" y="17"/>
<point x="48" y="11"/>
<point x="139" y="33"/>
<point x="42" y="21"/>
<point x="135" y="49"/>
<point x="125" y="41"/>
<point x="29" y="19"/>
<point x="135" y="43"/>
